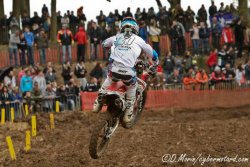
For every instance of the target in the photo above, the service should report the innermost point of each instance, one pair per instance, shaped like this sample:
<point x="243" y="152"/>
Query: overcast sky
<point x="93" y="7"/>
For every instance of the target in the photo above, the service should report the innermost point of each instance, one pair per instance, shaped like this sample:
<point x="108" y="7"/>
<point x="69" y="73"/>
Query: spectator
<point x="49" y="65"/>
<point x="143" y="31"/>
<point x="22" y="48"/>
<point x="13" y="48"/>
<point x="97" y="72"/>
<point x="17" y="99"/>
<point x="10" y="79"/>
<point x="212" y="10"/>
<point x="93" y="86"/>
<point x="239" y="37"/>
<point x="36" y="20"/>
<point x="81" y="38"/>
<point x="40" y="80"/>
<point x="81" y="18"/>
<point x="49" y="96"/>
<point x="72" y="20"/>
<point x="65" y="20"/>
<point x="29" y="38"/>
<point x="247" y="71"/>
<point x="101" y="20"/>
<point x="222" y="8"/>
<point x="162" y="17"/>
<point x="216" y="33"/>
<point x="50" y="76"/>
<point x="248" y="39"/>
<point x="227" y="35"/>
<point x="36" y="98"/>
<point x="95" y="38"/>
<point x="216" y="77"/>
<point x="179" y="14"/>
<point x="5" y="98"/>
<point x="26" y="83"/>
<point x="26" y="22"/>
<point x="106" y="34"/>
<point x="80" y="72"/>
<point x="202" y="14"/>
<point x="230" y="56"/>
<point x="212" y="59"/>
<point x="230" y="74"/>
<point x="222" y="56"/>
<point x="138" y="14"/>
<point x="187" y="61"/>
<point x="42" y="42"/>
<point x="189" y="14"/>
<point x="195" y="39"/>
<point x="204" y="35"/>
<point x="65" y="39"/>
<point x="128" y="13"/>
<point x="175" y="78"/>
<point x="177" y="34"/>
<point x="154" y="33"/>
<point x="58" y="20"/>
<point x="14" y="25"/>
<point x="168" y="66"/>
<point x="45" y="9"/>
<point x="201" y="79"/>
<point x="189" y="80"/>
<point x="240" y="75"/>
<point x="66" y="73"/>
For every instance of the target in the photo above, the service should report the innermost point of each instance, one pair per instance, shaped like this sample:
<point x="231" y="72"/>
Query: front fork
<point x="111" y="129"/>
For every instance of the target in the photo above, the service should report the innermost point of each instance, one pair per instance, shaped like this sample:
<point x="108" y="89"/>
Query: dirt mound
<point x="218" y="132"/>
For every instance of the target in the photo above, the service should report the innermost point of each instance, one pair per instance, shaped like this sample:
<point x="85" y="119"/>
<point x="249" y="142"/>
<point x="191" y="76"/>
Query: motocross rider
<point x="126" y="47"/>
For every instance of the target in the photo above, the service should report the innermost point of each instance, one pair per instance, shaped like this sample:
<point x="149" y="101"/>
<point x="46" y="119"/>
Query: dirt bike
<point x="114" y="99"/>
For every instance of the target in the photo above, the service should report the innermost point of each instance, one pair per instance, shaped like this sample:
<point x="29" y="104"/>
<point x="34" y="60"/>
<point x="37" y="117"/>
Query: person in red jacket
<point x="212" y="59"/>
<point x="81" y="38"/>
<point x="227" y="35"/>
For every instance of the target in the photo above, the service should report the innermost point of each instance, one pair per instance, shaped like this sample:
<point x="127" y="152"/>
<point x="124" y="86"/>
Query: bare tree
<point x="173" y="3"/>
<point x="53" y="21"/>
<point x="243" y="10"/>
<point x="16" y="8"/>
<point x="25" y="6"/>
<point x="1" y="9"/>
<point x="159" y="3"/>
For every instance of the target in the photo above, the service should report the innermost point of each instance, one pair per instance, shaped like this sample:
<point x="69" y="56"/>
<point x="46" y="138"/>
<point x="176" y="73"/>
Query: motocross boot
<point x="128" y="115"/>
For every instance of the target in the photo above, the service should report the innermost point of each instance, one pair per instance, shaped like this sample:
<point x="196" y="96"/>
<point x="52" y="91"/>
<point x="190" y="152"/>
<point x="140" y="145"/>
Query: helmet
<point x="129" y="24"/>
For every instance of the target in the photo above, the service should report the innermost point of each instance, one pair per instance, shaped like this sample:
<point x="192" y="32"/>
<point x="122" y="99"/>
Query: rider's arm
<point x="149" y="51"/>
<point x="108" y="42"/>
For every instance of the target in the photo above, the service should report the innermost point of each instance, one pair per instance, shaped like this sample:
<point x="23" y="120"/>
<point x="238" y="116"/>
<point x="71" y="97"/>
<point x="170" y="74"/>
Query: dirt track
<point x="218" y="132"/>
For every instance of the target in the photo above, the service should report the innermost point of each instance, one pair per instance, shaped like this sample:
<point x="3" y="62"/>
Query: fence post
<point x="33" y="125"/>
<point x="2" y="116"/>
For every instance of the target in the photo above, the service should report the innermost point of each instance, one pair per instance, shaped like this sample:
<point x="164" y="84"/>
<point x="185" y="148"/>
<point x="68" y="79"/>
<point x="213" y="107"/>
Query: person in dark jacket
<point x="239" y="37"/>
<point x="95" y="39"/>
<point x="106" y="34"/>
<point x="81" y="38"/>
<point x="97" y="72"/>
<point x="92" y="86"/>
<point x="80" y="72"/>
<point x="212" y="10"/>
<point x="216" y="31"/>
<point x="247" y="72"/>
<point x="5" y="98"/>
<point x="202" y="14"/>
<point x="204" y="34"/>
<point x="66" y="73"/>
<point x="65" y="39"/>
<point x="22" y="48"/>
<point x="168" y="65"/>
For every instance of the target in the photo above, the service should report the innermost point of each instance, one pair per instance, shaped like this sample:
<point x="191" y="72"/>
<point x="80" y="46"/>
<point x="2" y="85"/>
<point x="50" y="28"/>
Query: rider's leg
<point x="130" y="99"/>
<point x="97" y="105"/>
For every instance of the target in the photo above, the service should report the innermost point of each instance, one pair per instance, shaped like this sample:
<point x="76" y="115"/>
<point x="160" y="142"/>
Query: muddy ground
<point x="218" y="132"/>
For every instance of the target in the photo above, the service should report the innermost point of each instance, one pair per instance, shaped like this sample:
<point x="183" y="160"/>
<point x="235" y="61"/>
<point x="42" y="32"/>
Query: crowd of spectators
<point x="179" y="65"/>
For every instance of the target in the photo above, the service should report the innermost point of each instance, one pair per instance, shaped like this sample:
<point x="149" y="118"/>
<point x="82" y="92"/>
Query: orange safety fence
<point x="184" y="99"/>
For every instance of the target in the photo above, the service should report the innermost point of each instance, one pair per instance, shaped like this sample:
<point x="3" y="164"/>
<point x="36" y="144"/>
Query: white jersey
<point x="127" y="50"/>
